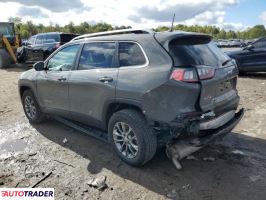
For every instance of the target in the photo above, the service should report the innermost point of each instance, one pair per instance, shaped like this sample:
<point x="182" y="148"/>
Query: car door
<point x="52" y="83"/>
<point x="254" y="58"/>
<point x="29" y="48"/>
<point x="38" y="48"/>
<point x="93" y="83"/>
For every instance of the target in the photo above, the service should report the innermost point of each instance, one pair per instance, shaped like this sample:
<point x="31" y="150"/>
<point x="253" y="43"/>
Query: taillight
<point x="205" y="72"/>
<point x="185" y="75"/>
<point x="190" y="74"/>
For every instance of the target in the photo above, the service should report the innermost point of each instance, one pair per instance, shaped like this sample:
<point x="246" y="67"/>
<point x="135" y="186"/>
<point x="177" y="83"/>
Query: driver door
<point x="52" y="83"/>
<point x="255" y="58"/>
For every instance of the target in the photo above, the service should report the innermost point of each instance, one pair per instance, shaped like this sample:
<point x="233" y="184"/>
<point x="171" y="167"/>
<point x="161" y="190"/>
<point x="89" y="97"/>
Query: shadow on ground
<point x="17" y="68"/>
<point x="228" y="177"/>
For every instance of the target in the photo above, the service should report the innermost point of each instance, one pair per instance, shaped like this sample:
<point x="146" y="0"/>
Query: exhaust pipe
<point x="179" y="150"/>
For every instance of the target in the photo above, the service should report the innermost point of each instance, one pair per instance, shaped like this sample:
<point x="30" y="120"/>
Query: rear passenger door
<point x="93" y="83"/>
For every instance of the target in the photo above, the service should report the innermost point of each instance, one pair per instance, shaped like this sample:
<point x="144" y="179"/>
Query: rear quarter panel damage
<point x="165" y="102"/>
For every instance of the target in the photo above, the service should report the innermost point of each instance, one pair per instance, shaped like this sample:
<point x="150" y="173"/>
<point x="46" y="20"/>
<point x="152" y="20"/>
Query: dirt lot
<point x="232" y="169"/>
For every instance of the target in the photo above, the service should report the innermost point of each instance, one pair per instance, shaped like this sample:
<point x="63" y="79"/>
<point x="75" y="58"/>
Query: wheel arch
<point x="119" y="104"/>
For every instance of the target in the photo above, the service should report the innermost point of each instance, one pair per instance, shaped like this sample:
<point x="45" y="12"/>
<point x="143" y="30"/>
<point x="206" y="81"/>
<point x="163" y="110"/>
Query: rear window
<point x="67" y="37"/>
<point x="130" y="54"/>
<point x="193" y="52"/>
<point x="51" y="38"/>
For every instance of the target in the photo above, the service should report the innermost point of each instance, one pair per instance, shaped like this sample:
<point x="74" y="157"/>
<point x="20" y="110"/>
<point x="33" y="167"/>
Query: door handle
<point x="106" y="79"/>
<point x="62" y="78"/>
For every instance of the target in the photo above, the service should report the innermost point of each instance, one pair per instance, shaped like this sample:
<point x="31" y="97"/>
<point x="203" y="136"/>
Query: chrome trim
<point x="136" y="66"/>
<point x="218" y="121"/>
<point x="105" y="33"/>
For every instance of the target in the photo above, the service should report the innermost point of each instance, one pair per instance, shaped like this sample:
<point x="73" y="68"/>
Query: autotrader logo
<point x="26" y="193"/>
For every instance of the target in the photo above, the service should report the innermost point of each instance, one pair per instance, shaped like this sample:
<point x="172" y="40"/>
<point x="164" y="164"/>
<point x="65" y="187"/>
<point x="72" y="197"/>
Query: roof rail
<point x="115" y="32"/>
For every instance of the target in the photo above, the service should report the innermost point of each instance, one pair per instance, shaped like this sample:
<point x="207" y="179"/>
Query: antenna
<point x="171" y="29"/>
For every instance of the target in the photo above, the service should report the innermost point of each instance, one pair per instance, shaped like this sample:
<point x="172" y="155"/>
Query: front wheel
<point x="31" y="107"/>
<point x="131" y="137"/>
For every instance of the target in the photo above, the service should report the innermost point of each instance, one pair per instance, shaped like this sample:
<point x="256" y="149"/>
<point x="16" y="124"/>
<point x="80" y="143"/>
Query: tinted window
<point x="196" y="54"/>
<point x="64" y="59"/>
<point x="67" y="37"/>
<point x="130" y="54"/>
<point x="31" y="40"/>
<point x="260" y="44"/>
<point x="51" y="38"/>
<point x="97" y="55"/>
<point x="39" y="39"/>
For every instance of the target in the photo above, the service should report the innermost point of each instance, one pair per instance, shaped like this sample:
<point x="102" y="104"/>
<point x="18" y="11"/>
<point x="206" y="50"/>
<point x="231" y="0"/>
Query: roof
<point x="160" y="36"/>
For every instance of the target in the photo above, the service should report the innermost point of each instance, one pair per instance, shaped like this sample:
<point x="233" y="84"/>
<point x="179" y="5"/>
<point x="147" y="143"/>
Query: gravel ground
<point x="234" y="168"/>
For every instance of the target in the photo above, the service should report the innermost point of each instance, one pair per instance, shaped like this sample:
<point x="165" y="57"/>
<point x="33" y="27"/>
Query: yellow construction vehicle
<point x="9" y="42"/>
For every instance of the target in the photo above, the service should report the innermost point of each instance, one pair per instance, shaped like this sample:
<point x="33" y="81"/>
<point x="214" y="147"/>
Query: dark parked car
<point x="145" y="89"/>
<point x="251" y="58"/>
<point x="39" y="47"/>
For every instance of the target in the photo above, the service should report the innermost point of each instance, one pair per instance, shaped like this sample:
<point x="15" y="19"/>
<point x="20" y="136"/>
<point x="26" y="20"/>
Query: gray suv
<point x="145" y="89"/>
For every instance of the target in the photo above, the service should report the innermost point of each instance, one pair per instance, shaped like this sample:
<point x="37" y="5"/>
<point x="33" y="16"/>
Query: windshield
<point x="7" y="30"/>
<point x="197" y="54"/>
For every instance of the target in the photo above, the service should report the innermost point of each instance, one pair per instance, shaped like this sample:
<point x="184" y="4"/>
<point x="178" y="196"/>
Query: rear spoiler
<point x="181" y="38"/>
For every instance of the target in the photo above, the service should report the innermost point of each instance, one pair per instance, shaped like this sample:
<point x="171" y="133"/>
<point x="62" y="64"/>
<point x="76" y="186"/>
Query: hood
<point x="234" y="53"/>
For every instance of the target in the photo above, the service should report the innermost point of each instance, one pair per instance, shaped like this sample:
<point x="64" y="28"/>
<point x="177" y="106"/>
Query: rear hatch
<point x="217" y="74"/>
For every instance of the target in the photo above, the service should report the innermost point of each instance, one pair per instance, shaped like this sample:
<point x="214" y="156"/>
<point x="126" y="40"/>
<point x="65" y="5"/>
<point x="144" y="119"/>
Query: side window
<point x="130" y="54"/>
<point x="97" y="55"/>
<point x="31" y="41"/>
<point x="260" y="44"/>
<point x="64" y="59"/>
<point x="39" y="39"/>
<point x="51" y="38"/>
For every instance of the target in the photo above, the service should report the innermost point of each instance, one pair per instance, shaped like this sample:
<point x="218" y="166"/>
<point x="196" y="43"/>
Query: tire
<point x="141" y="135"/>
<point x="31" y="107"/>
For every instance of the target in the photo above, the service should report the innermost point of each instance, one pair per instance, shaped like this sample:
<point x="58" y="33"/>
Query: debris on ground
<point x="98" y="183"/>
<point x="65" y="141"/>
<point x="43" y="179"/>
<point x="64" y="163"/>
<point x="238" y="152"/>
<point x="186" y="187"/>
<point x="172" y="194"/>
<point x="191" y="157"/>
<point x="208" y="159"/>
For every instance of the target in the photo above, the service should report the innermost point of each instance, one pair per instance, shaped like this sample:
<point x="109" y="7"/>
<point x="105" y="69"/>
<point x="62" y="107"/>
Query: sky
<point x="227" y="14"/>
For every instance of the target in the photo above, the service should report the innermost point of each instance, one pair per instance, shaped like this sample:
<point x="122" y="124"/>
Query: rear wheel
<point x="131" y="137"/>
<point x="31" y="107"/>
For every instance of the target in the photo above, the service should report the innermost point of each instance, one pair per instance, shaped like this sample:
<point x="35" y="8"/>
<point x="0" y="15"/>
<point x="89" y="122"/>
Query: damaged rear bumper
<point x="221" y="131"/>
<point x="182" y="148"/>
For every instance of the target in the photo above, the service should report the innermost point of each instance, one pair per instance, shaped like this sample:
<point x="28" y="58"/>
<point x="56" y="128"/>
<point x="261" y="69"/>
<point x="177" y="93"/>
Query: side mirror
<point x="39" y="66"/>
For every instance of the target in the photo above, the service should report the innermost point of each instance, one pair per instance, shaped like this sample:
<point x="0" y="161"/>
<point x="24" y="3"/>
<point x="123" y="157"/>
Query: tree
<point x="256" y="31"/>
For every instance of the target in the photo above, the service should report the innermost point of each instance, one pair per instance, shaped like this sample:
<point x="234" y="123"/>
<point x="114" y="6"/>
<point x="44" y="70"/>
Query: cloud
<point x="52" y="5"/>
<point x="233" y="26"/>
<point x="164" y="10"/>
<point x="263" y="17"/>
<point x="137" y="13"/>
<point x="34" y="12"/>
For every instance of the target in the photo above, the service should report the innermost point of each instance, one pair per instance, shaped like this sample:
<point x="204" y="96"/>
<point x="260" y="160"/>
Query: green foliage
<point x="27" y="29"/>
